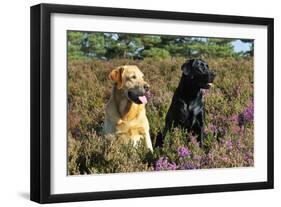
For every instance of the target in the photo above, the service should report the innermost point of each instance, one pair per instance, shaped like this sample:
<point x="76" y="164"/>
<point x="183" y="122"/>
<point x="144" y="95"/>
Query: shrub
<point x="157" y="53"/>
<point x="229" y="118"/>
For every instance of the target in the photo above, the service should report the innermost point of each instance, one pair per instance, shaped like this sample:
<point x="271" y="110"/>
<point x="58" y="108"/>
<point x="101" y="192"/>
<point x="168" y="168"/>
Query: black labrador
<point x="187" y="108"/>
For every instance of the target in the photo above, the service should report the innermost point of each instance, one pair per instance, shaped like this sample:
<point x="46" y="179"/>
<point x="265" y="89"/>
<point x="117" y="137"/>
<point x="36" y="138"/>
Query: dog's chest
<point x="189" y="112"/>
<point x="189" y="108"/>
<point x="194" y="108"/>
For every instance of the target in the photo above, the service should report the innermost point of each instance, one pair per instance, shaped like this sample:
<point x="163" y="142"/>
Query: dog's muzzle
<point x="210" y="81"/>
<point x="139" y="96"/>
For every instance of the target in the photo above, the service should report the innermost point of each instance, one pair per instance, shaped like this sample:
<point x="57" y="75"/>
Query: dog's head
<point x="129" y="80"/>
<point x="197" y="73"/>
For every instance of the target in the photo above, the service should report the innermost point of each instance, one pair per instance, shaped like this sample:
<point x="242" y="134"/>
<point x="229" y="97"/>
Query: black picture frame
<point x="41" y="96"/>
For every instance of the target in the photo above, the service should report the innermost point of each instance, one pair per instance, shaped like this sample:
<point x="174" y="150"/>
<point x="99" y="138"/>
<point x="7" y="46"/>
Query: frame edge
<point x="270" y="102"/>
<point x="35" y="44"/>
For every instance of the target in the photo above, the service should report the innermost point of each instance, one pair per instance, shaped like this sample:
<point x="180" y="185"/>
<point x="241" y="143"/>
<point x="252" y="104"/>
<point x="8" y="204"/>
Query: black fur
<point x="187" y="108"/>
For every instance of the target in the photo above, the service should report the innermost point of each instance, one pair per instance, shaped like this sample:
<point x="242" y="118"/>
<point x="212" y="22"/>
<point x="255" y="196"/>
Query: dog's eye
<point x="134" y="77"/>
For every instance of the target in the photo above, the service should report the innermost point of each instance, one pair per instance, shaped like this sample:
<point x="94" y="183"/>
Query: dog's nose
<point x="146" y="87"/>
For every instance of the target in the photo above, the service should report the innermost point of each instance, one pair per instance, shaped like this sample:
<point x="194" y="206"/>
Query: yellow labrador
<point x="125" y="112"/>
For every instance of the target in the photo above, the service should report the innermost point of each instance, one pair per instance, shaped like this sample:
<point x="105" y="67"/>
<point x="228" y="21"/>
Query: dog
<point x="187" y="109"/>
<point x="125" y="114"/>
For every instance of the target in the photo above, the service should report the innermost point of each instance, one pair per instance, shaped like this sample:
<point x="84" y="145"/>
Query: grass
<point x="229" y="118"/>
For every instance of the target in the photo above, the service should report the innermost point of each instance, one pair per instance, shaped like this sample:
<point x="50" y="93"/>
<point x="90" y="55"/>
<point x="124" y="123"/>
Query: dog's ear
<point x="186" y="67"/>
<point x="117" y="76"/>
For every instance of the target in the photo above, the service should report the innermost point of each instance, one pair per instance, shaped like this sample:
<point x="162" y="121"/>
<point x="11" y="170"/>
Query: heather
<point x="229" y="139"/>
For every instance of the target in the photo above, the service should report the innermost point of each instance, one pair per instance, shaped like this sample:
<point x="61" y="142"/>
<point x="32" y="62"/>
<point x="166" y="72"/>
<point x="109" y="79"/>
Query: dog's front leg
<point x="148" y="142"/>
<point x="201" y="128"/>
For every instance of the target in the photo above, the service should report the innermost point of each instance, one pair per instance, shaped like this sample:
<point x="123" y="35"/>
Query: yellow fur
<point x="124" y="118"/>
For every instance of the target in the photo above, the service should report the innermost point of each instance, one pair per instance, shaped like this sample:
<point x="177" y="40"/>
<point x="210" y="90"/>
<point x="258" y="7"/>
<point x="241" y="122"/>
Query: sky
<point x="240" y="46"/>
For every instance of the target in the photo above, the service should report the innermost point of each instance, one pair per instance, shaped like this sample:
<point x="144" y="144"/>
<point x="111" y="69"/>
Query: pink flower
<point x="183" y="152"/>
<point x="164" y="164"/>
<point x="229" y="144"/>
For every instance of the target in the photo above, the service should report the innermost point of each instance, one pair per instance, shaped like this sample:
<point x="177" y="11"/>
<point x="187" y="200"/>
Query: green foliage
<point x="95" y="45"/>
<point x="75" y="42"/>
<point x="122" y="45"/>
<point x="136" y="46"/>
<point x="212" y="48"/>
<point x="226" y="146"/>
<point x="156" y="53"/>
<point x="75" y="38"/>
<point x="150" y="41"/>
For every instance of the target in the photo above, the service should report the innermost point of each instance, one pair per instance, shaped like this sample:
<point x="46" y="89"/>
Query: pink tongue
<point x="143" y="99"/>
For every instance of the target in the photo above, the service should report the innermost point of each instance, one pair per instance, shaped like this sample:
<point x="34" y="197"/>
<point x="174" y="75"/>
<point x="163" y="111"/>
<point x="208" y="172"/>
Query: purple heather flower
<point x="210" y="156"/>
<point x="172" y="166"/>
<point x="189" y="166"/>
<point x="212" y="128"/>
<point x="183" y="152"/>
<point x="247" y="115"/>
<point x="239" y="144"/>
<point x="241" y="120"/>
<point x="236" y="130"/>
<point x="229" y="144"/>
<point x="193" y="140"/>
<point x="225" y="158"/>
<point x="246" y="157"/>
<point x="164" y="164"/>
<point x="234" y="118"/>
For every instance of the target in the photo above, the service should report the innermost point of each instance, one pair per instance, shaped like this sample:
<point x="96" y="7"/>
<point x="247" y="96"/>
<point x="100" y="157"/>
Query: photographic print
<point x="149" y="102"/>
<point x="130" y="103"/>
